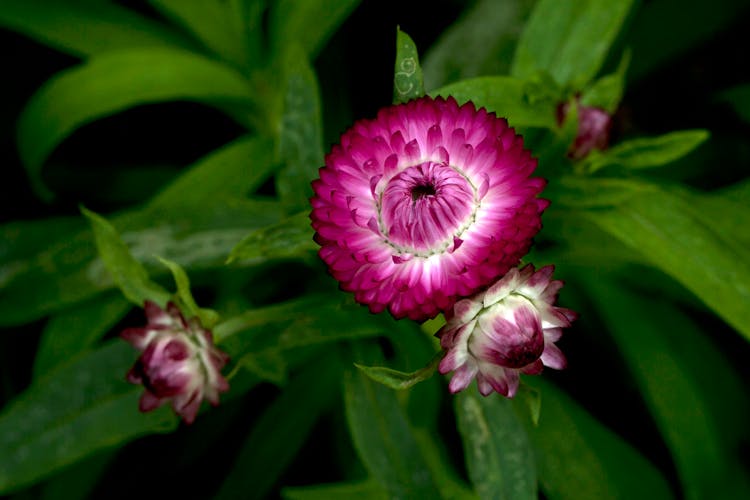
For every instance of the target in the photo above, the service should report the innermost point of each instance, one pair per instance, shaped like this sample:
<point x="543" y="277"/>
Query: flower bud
<point x="179" y="362"/>
<point x="505" y="330"/>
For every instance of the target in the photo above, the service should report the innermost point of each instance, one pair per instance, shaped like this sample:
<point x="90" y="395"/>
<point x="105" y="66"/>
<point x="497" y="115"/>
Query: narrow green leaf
<point x="480" y="42"/>
<point x="683" y="415"/>
<point x="68" y="271"/>
<point x="19" y="239"/>
<point x="573" y="191"/>
<point x="407" y="74"/>
<point x="86" y="29"/>
<point x="739" y="98"/>
<point x="280" y="432"/>
<point x="301" y="133"/>
<point x="266" y="365"/>
<point x="607" y="91"/>
<point x="384" y="440"/>
<point x="400" y="380"/>
<point x="648" y="152"/>
<point x="569" y="39"/>
<point x="213" y="23"/>
<point x="578" y="457"/>
<point x="290" y="238"/>
<point x="81" y="408"/>
<point x="188" y="306"/>
<point x="364" y="490"/>
<point x="127" y="272"/>
<point x="116" y="81"/>
<point x="673" y="236"/>
<point x="77" y="329"/>
<point x="497" y="450"/>
<point x="509" y="97"/>
<point x="247" y="161"/>
<point x="308" y="24"/>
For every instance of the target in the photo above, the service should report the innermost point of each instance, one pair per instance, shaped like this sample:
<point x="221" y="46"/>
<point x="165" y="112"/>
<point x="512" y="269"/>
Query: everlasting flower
<point x="425" y="204"/>
<point x="179" y="362"/>
<point x="508" y="329"/>
<point x="594" y="127"/>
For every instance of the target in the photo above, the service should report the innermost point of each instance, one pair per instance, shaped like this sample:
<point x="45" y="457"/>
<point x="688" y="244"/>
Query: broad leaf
<point x="480" y="42"/>
<point x="290" y="238"/>
<point x="214" y="23"/>
<point x="279" y="433"/>
<point x="675" y="237"/>
<point x="77" y="329"/>
<point x="578" y="457"/>
<point x="363" y="490"/>
<point x="684" y="416"/>
<point x="384" y="440"/>
<point x="509" y="97"/>
<point x="498" y="453"/>
<point x="127" y="272"/>
<point x="87" y="29"/>
<point x="308" y="23"/>
<point x="82" y="407"/>
<point x="301" y="133"/>
<point x="116" y="81"/>
<point x="569" y="39"/>
<point x="407" y="74"/>
<point x="648" y="152"/>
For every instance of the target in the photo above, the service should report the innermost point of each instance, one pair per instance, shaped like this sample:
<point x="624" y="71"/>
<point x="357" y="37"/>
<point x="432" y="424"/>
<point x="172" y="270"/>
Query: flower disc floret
<point x="506" y="330"/>
<point x="425" y="204"/>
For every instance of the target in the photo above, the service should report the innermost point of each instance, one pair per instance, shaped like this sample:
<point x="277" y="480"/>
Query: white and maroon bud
<point x="505" y="330"/>
<point x="179" y="362"/>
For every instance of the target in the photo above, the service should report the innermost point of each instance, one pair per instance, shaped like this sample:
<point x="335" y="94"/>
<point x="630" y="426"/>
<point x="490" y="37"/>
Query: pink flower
<point x="504" y="331"/>
<point x="594" y="127"/>
<point x="179" y="362"/>
<point x="425" y="204"/>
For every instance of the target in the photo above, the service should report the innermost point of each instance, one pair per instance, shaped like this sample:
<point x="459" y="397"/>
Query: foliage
<point x="651" y="236"/>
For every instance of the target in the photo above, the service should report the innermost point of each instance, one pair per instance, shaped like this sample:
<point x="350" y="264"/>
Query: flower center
<point x="424" y="207"/>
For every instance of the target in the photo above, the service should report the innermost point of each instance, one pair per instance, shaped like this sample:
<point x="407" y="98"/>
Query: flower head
<point x="594" y="127"/>
<point x="505" y="330"/>
<point x="425" y="204"/>
<point x="179" y="362"/>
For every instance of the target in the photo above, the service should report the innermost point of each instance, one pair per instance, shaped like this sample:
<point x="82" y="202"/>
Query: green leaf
<point x="267" y="365"/>
<point x="648" y="152"/>
<point x="739" y="98"/>
<point x="116" y="81"/>
<point x="247" y="161"/>
<point x="668" y="385"/>
<point x="673" y="236"/>
<point x="19" y="239"/>
<point x="400" y="380"/>
<point x="364" y="490"/>
<point x="308" y="23"/>
<point x="208" y="318"/>
<point x="509" y="97"/>
<point x="127" y="272"/>
<point x="86" y="29"/>
<point x="68" y="271"/>
<point x="480" y="42"/>
<point x="301" y="133"/>
<point x="498" y="454"/>
<point x="81" y="408"/>
<point x="407" y="74"/>
<point x="607" y="91"/>
<point x="78" y="481"/>
<point x="290" y="238"/>
<point x="384" y="440"/>
<point x="575" y="191"/>
<point x="569" y="39"/>
<point x="214" y="23"/>
<point x="77" y="329"/>
<point x="578" y="457"/>
<point x="281" y="431"/>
